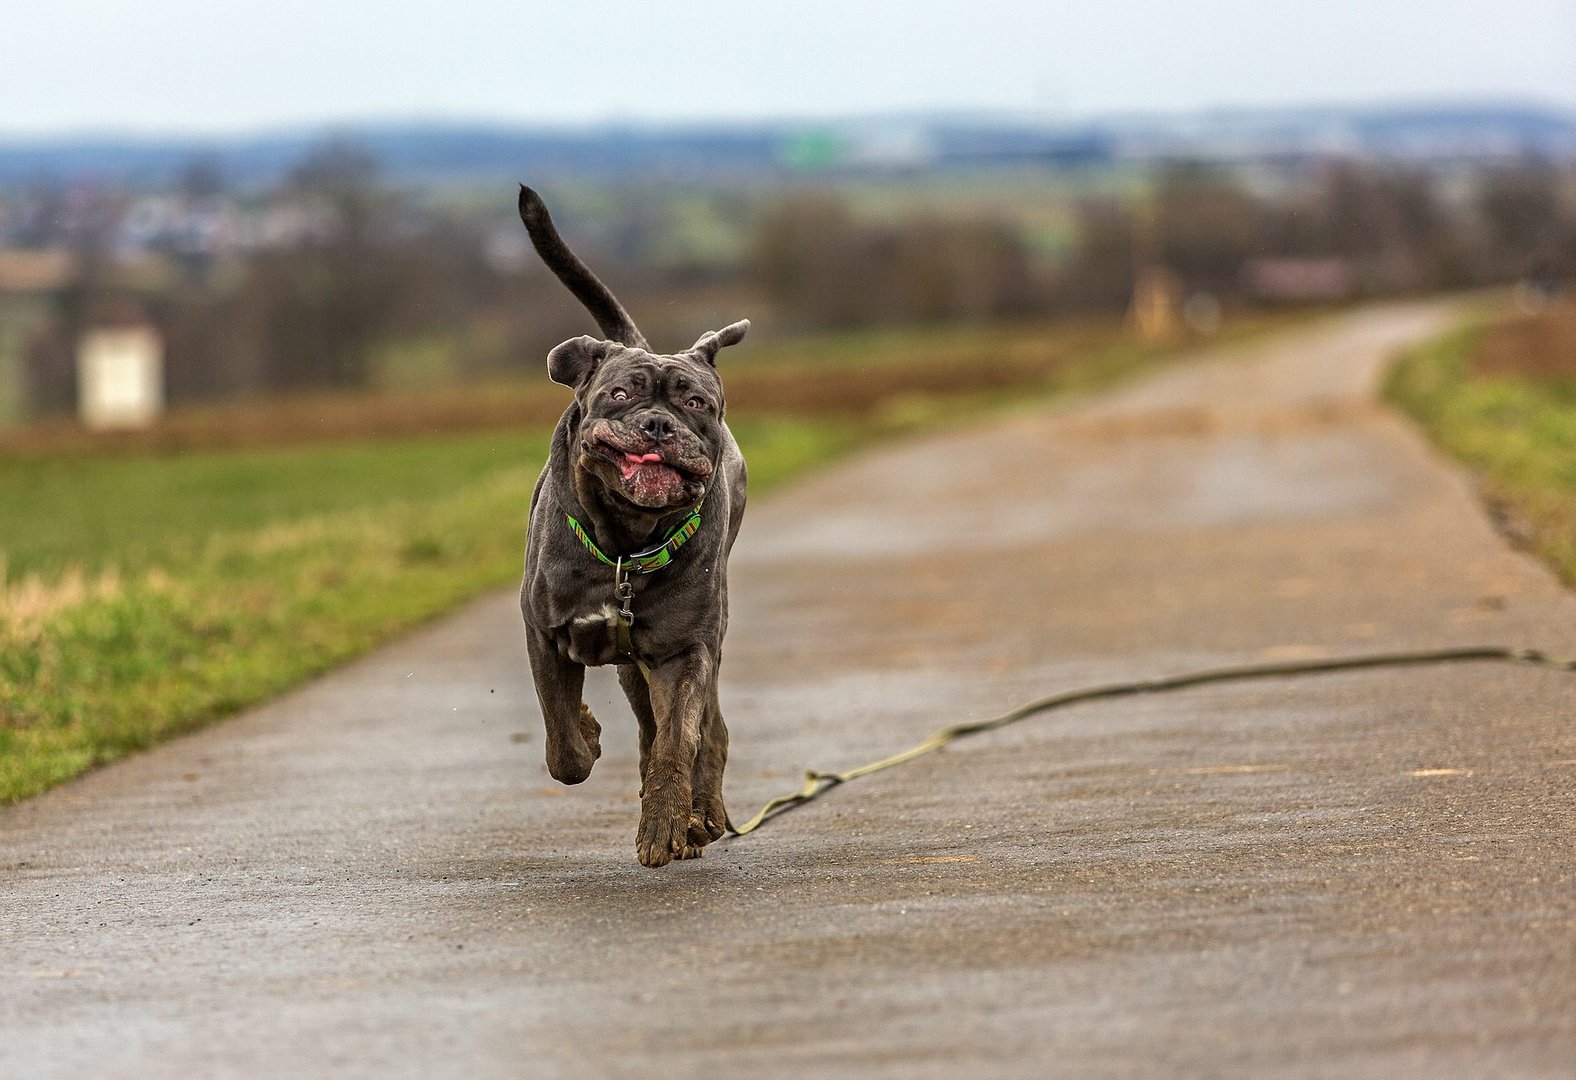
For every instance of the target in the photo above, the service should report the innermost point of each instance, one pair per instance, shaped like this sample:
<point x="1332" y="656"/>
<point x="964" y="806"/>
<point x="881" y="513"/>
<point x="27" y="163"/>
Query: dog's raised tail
<point x="576" y="275"/>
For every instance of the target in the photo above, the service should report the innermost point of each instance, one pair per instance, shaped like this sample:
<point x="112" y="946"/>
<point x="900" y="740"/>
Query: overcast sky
<point x="216" y="66"/>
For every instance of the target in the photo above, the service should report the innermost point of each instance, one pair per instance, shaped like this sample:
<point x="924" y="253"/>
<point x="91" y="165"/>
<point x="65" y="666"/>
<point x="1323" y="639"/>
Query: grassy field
<point x="151" y="585"/>
<point x="1501" y="396"/>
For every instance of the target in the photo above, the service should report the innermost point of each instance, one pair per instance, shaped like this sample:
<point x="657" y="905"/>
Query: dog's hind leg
<point x="639" y="695"/>
<point x="681" y="691"/>
<point x="574" y="738"/>
<point x="708" y="816"/>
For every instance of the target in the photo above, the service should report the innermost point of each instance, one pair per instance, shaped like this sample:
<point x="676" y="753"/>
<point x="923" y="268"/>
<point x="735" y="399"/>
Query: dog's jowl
<point x="626" y="558"/>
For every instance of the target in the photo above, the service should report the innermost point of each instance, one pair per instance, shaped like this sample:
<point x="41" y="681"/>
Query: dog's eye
<point x="618" y="394"/>
<point x="696" y="403"/>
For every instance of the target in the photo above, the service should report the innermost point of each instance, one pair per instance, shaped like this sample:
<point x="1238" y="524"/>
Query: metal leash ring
<point x="624" y="593"/>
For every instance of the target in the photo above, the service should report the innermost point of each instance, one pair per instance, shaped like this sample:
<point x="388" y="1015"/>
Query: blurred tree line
<point x="823" y="267"/>
<point x="1345" y="231"/>
<point x="368" y="280"/>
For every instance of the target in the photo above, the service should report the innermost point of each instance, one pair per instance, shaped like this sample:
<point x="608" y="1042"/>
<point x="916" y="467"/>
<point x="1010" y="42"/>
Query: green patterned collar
<point x="653" y="558"/>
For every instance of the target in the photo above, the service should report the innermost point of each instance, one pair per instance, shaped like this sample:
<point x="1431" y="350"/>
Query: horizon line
<point x="1050" y="120"/>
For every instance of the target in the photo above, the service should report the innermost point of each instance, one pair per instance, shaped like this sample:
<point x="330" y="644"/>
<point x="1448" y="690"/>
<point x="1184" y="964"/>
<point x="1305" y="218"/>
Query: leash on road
<point x="818" y="783"/>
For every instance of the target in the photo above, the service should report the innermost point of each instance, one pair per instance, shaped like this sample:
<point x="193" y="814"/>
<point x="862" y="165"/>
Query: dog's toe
<point x="708" y="820"/>
<point x="653" y="856"/>
<point x="697" y="835"/>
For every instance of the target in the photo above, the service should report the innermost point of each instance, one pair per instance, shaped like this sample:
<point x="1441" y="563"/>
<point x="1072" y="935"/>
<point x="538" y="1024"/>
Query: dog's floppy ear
<point x="573" y="362"/>
<point x="706" y="348"/>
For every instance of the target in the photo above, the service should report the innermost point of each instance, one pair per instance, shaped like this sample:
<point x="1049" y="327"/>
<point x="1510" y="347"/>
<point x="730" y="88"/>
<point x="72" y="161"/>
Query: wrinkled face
<point x="651" y="427"/>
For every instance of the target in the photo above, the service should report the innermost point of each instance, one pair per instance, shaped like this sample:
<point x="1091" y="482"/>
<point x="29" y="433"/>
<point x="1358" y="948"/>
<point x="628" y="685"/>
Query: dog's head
<point x="650" y="425"/>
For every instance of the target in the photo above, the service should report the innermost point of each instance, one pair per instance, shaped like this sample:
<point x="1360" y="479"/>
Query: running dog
<point x="626" y="558"/>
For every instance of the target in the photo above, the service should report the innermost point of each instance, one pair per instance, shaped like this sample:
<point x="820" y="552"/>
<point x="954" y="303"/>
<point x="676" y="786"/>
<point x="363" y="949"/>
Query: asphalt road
<point x="1361" y="875"/>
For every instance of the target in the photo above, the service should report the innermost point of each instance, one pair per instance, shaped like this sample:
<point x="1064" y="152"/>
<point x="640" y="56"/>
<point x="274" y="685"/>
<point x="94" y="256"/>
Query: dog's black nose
<point x="656" y="425"/>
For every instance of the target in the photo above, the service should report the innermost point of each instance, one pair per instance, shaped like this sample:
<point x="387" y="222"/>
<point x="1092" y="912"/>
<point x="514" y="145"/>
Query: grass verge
<point x="1500" y="395"/>
<point x="151" y="587"/>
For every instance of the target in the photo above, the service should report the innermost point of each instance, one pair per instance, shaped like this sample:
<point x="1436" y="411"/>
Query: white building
<point x="120" y="377"/>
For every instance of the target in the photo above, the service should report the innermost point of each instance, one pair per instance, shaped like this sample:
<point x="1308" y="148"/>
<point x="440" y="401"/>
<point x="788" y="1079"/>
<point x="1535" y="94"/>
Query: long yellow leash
<point x="817" y="783"/>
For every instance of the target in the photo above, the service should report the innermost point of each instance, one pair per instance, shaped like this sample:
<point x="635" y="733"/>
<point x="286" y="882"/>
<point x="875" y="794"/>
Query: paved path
<point x="1360" y="875"/>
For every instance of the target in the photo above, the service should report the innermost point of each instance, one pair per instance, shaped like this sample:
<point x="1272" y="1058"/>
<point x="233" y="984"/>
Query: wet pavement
<point x="1367" y="874"/>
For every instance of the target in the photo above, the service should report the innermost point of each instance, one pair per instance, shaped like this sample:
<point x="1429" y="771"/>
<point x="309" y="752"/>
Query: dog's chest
<point x="594" y="638"/>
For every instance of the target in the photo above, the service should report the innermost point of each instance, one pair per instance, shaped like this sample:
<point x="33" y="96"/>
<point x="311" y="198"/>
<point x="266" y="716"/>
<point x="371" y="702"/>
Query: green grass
<point x="147" y="510"/>
<point x="1517" y="432"/>
<point x="146" y="593"/>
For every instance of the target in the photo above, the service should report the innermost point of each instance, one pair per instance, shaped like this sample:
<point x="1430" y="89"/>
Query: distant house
<point x="28" y="273"/>
<point x="120" y="371"/>
<point x="1298" y="280"/>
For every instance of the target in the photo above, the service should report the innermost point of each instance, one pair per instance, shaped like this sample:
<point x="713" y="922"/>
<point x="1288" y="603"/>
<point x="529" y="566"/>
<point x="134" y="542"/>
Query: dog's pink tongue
<point x="652" y="482"/>
<point x="655" y="485"/>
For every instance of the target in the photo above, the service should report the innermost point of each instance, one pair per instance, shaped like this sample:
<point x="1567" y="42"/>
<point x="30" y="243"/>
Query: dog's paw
<point x="590" y="731"/>
<point x="662" y="836"/>
<point x="708" y="820"/>
<point x="568" y="767"/>
<point x="691" y="851"/>
<point x="703" y="829"/>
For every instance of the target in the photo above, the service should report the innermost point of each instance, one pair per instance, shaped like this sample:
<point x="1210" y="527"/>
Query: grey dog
<point x="626" y="556"/>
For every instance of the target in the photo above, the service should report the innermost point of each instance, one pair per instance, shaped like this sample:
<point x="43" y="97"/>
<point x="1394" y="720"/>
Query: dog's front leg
<point x="573" y="735"/>
<point x="680" y="693"/>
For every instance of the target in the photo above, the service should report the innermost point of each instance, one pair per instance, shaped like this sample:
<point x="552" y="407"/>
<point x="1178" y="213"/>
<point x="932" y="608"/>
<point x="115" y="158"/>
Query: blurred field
<point x="850" y="372"/>
<point x="154" y="584"/>
<point x="137" y="511"/>
<point x="1501" y="396"/>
